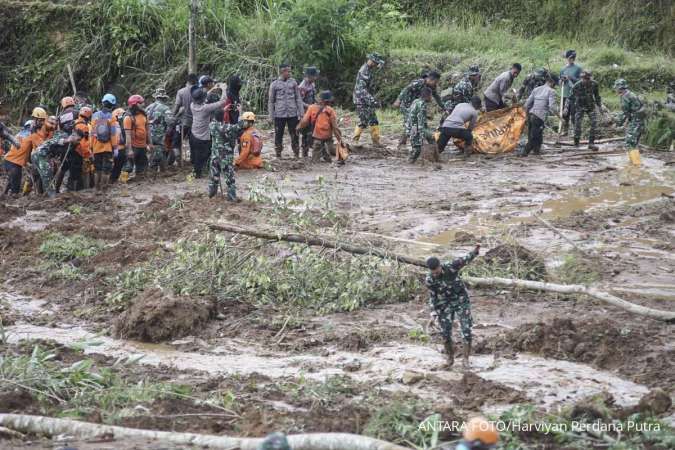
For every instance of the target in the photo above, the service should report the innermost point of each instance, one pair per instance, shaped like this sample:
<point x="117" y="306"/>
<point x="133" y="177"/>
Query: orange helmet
<point x="480" y="429"/>
<point x="117" y="113"/>
<point x="67" y="101"/>
<point x="86" y="112"/>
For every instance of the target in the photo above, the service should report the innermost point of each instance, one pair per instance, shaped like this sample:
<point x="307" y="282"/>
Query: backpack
<point x="103" y="130"/>
<point x="158" y="123"/>
<point x="256" y="143"/>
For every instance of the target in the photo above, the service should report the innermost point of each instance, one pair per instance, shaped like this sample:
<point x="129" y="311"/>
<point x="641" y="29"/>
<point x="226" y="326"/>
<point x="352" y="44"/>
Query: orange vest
<point x="21" y="155"/>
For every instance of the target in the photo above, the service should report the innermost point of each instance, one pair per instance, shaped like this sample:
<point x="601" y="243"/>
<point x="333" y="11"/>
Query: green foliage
<point x="127" y="285"/>
<point x="660" y="130"/>
<point x="577" y="269"/>
<point x="60" y="248"/>
<point x="400" y="422"/>
<point x="79" y="389"/>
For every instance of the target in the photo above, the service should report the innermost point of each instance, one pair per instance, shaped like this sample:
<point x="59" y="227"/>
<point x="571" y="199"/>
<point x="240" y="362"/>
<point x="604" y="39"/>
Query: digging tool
<point x="72" y="78"/>
<point x="562" y="102"/>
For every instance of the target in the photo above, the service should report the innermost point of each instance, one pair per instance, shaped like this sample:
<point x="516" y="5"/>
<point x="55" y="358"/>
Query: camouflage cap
<point x="586" y="73"/>
<point x="620" y="84"/>
<point x="160" y="93"/>
<point x="275" y="441"/>
<point x="473" y="70"/>
<point x="376" y="58"/>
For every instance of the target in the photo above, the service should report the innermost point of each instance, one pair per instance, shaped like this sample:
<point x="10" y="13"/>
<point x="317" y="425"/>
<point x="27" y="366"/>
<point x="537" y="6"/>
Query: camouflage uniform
<point x="160" y="116"/>
<point x="409" y="94"/>
<point x="46" y="156"/>
<point x="461" y="93"/>
<point x="532" y="81"/>
<point x="632" y="110"/>
<point x="417" y="125"/>
<point x="572" y="73"/>
<point x="308" y="94"/>
<point x="449" y="297"/>
<point x="224" y="138"/>
<point x="363" y="97"/>
<point x="670" y="96"/>
<point x="275" y="441"/>
<point x="586" y="98"/>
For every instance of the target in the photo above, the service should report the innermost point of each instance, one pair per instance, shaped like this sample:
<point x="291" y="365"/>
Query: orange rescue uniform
<point x="20" y="156"/>
<point x="83" y="147"/>
<point x="246" y="159"/>
<point x="323" y="123"/>
<point x="138" y="126"/>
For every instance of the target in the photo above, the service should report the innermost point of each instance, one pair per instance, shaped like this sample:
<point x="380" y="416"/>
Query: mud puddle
<point x="36" y="220"/>
<point x="630" y="187"/>
<point x="548" y="382"/>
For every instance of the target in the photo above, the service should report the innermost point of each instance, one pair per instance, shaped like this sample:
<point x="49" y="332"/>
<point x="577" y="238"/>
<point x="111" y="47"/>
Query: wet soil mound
<point x="603" y="343"/>
<point x="472" y="392"/>
<point x="155" y="317"/>
<point x="519" y="259"/>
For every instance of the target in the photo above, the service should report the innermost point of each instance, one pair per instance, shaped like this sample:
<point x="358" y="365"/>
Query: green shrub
<point x="60" y="248"/>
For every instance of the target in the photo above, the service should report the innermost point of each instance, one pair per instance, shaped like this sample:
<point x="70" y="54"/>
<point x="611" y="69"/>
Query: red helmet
<point x="135" y="100"/>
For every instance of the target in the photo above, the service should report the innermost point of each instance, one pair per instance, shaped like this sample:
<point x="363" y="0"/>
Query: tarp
<point x="499" y="131"/>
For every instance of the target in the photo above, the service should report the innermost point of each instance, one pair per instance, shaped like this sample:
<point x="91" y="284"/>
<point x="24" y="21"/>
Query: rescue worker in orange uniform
<point x="17" y="158"/>
<point x="250" y="145"/>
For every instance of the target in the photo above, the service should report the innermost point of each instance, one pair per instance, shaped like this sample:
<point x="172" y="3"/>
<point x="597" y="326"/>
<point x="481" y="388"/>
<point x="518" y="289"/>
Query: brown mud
<point x="155" y="316"/>
<point x="544" y="349"/>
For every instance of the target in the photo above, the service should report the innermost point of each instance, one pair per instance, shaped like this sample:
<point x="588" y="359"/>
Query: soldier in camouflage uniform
<point x="412" y="92"/>
<point x="46" y="157"/>
<point x="275" y="441"/>
<point x="365" y="101"/>
<point x="632" y="113"/>
<point x="532" y="81"/>
<point x="449" y="297"/>
<point x="586" y="98"/>
<point x="224" y="137"/>
<point x="307" y="89"/>
<point x="417" y="124"/>
<point x="462" y="91"/>
<point x="569" y="75"/>
<point x="160" y="116"/>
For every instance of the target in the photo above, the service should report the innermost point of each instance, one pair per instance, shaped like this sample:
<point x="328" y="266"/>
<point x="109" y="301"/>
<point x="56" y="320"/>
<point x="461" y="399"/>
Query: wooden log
<point x="571" y="144"/>
<point x="318" y="241"/>
<point x="83" y="430"/>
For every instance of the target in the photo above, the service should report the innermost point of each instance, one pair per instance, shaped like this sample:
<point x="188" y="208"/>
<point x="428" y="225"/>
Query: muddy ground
<point x="335" y="372"/>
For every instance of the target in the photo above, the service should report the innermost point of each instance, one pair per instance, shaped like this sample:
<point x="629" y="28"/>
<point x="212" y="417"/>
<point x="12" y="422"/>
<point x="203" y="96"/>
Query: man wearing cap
<point x="632" y="112"/>
<point x="412" y="92"/>
<point x="532" y="81"/>
<point x="308" y="93"/>
<point x="159" y="115"/>
<point x="463" y="90"/>
<point x="200" y="136"/>
<point x="495" y="94"/>
<point x="448" y="298"/>
<point x="569" y="75"/>
<point x="286" y="109"/>
<point x="321" y="118"/>
<point x="104" y="139"/>
<point x="181" y="108"/>
<point x="364" y="99"/>
<point x="539" y="105"/>
<point x="586" y="98"/>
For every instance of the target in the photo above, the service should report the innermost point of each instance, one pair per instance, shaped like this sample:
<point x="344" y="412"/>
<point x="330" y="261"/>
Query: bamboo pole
<point x="319" y="241"/>
<point x="192" y="38"/>
<point x="83" y="430"/>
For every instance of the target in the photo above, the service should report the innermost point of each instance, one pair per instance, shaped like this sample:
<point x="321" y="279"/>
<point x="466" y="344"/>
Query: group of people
<point x="460" y="108"/>
<point x="96" y="148"/>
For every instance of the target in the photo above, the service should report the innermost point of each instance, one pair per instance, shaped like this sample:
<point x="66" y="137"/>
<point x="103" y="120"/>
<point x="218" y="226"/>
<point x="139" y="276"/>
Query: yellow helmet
<point x="480" y="429"/>
<point x="38" y="113"/>
<point x="248" y="115"/>
<point x="117" y="113"/>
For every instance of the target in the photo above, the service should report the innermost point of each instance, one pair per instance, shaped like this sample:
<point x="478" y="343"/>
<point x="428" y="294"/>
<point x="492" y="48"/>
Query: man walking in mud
<point x="448" y="298"/>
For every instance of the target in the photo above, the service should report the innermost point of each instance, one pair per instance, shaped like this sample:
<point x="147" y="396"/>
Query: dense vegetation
<point x="125" y="45"/>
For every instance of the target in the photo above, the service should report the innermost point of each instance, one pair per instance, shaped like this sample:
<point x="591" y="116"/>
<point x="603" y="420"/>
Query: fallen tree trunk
<point x="318" y="241"/>
<point x="571" y="144"/>
<point x="83" y="430"/>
